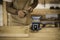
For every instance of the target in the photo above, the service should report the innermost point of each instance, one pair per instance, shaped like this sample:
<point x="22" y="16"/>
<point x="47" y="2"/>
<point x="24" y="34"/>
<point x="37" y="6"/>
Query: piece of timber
<point x="4" y="14"/>
<point x="45" y="11"/>
<point x="14" y="31"/>
<point x="14" y="35"/>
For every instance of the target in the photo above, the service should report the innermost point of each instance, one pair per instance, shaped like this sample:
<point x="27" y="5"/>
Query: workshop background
<point x="51" y="31"/>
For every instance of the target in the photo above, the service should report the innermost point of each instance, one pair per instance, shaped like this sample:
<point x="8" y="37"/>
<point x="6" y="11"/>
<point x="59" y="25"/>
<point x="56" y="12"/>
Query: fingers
<point x="21" y="14"/>
<point x="30" y="9"/>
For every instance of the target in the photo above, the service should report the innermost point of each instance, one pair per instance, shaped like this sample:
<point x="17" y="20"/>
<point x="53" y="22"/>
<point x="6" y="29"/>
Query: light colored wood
<point x="14" y="31"/>
<point x="14" y="35"/>
<point x="4" y="14"/>
<point x="44" y="12"/>
<point x="43" y="34"/>
<point x="48" y="1"/>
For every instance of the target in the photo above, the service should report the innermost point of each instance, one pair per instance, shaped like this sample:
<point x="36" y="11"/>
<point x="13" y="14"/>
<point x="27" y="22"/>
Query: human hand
<point x="21" y="14"/>
<point x="30" y="9"/>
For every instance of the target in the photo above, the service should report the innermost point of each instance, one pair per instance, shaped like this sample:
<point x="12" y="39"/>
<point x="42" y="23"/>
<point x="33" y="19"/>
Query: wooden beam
<point x="44" y="12"/>
<point x="14" y="35"/>
<point x="4" y="14"/>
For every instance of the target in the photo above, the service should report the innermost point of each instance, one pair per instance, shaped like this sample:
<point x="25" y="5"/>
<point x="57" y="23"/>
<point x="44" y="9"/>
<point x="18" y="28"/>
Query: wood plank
<point x="44" y="11"/>
<point x="14" y="35"/>
<point x="4" y="14"/>
<point x="14" y="31"/>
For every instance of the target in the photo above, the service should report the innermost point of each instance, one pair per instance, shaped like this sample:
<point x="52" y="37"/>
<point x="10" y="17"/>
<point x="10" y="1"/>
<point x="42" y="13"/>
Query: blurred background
<point x="1" y="14"/>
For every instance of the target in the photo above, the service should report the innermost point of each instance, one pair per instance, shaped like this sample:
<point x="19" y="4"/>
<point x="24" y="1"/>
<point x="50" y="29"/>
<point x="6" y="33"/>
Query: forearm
<point x="34" y="4"/>
<point x="12" y="11"/>
<point x="10" y="8"/>
<point x="31" y="7"/>
<point x="28" y="11"/>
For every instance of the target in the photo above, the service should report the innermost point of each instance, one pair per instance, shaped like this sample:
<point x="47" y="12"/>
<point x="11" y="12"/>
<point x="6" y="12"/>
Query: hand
<point x="21" y="14"/>
<point x="30" y="9"/>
